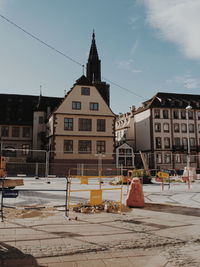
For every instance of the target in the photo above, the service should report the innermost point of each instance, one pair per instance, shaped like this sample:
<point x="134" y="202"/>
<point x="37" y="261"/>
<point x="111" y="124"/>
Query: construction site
<point x="99" y="220"/>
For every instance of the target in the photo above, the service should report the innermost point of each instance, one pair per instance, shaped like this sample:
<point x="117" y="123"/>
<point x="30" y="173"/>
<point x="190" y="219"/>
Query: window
<point x="190" y="115"/>
<point x="76" y="105"/>
<point x="183" y="114"/>
<point x="184" y="158"/>
<point x="84" y="146"/>
<point x="159" y="158"/>
<point x="184" y="141"/>
<point x="176" y="127"/>
<point x="41" y="120"/>
<point x="183" y="127"/>
<point x="191" y="128"/>
<point x="85" y="125"/>
<point x="101" y="146"/>
<point x="158" y="142"/>
<point x="85" y="90"/>
<point x="101" y="125"/>
<point x="94" y="106"/>
<point x="192" y="142"/>
<point x="167" y="142"/>
<point x="198" y="115"/>
<point x="25" y="149"/>
<point x="165" y="114"/>
<point x="177" y="158"/>
<point x="193" y="158"/>
<point x="175" y="114"/>
<point x="167" y="158"/>
<point x="26" y="132"/>
<point x="199" y="128"/>
<point x="68" y="124"/>
<point x="68" y="146"/>
<point x="15" y="131"/>
<point x="157" y="127"/>
<point x="4" y="131"/>
<point x="166" y="127"/>
<point x="125" y="151"/>
<point x="177" y="141"/>
<point x="156" y="113"/>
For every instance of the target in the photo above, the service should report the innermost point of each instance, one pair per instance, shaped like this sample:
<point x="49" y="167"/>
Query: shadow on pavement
<point x="13" y="257"/>
<point x="173" y="209"/>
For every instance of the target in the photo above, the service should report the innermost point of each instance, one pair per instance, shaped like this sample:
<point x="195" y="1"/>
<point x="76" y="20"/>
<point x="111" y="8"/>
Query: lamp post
<point x="188" y="108"/>
<point x="100" y="157"/>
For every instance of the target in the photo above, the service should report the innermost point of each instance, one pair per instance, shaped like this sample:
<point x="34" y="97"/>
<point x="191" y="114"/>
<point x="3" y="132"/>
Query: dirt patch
<point x="28" y="213"/>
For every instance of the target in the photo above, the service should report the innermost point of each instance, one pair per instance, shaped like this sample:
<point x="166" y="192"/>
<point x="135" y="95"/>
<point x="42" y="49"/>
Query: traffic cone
<point x="135" y="196"/>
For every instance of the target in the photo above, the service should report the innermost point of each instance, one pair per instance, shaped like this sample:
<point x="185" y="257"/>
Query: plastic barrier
<point x="135" y="196"/>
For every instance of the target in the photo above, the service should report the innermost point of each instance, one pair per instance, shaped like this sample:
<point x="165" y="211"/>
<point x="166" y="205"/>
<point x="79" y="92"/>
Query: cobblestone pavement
<point x="163" y="237"/>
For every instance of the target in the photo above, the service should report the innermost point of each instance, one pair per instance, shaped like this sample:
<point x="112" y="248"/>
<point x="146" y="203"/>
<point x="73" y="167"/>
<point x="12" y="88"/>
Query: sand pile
<point x="28" y="212"/>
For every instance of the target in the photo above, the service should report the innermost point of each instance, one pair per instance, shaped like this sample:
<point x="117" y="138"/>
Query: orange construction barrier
<point x="135" y="196"/>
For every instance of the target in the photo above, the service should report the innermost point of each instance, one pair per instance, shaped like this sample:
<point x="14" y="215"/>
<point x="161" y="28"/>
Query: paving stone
<point x="90" y="263"/>
<point x="117" y="262"/>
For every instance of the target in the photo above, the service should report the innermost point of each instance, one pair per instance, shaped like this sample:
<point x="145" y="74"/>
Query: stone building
<point x="167" y="129"/>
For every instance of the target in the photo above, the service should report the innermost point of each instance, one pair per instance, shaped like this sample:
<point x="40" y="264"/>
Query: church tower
<point x="93" y="72"/>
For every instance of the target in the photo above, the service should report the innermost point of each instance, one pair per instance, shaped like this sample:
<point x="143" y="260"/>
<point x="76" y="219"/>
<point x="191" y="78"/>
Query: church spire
<point x="94" y="64"/>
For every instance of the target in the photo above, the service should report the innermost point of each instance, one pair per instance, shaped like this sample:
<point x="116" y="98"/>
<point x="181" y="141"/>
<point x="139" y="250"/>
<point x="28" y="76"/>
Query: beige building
<point x="82" y="127"/>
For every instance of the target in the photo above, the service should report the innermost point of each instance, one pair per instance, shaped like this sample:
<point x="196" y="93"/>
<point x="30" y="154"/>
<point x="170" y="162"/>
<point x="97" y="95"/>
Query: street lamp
<point x="100" y="157"/>
<point x="188" y="108"/>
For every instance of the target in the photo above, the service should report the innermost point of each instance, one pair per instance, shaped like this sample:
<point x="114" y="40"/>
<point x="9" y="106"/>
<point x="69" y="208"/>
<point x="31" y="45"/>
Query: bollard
<point x="135" y="196"/>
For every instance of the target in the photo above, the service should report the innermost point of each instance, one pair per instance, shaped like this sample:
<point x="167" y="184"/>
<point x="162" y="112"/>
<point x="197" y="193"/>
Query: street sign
<point x="84" y="180"/>
<point x="96" y="197"/>
<point x="7" y="193"/>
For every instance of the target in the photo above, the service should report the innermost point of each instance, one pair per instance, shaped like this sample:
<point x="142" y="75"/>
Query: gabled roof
<point x="83" y="80"/>
<point x="171" y="100"/>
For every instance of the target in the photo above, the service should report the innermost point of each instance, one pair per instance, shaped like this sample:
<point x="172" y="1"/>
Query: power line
<point x="131" y="92"/>
<point x="63" y="54"/>
<point x="39" y="40"/>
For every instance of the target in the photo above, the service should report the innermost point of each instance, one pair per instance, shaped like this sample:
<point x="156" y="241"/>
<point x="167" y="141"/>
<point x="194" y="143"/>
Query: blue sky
<point x="145" y="46"/>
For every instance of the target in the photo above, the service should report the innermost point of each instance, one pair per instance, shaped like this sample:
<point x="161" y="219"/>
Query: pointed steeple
<point x="93" y="72"/>
<point x="40" y="104"/>
<point x="94" y="64"/>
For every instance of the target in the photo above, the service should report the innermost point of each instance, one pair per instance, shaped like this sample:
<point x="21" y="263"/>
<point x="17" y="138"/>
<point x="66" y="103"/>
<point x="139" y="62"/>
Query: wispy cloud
<point x="127" y="65"/>
<point x="134" y="48"/>
<point x="187" y="80"/>
<point x="178" y="21"/>
<point x="134" y="22"/>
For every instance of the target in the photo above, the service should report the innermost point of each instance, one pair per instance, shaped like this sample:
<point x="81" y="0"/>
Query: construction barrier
<point x="95" y="194"/>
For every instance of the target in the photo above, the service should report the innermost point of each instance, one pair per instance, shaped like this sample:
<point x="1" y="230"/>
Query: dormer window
<point x="156" y="113"/>
<point x="76" y="105"/>
<point x="85" y="90"/>
<point x="94" y="106"/>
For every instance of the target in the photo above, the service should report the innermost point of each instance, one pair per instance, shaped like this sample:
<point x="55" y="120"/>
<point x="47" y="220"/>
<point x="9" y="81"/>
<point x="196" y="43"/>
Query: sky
<point x="145" y="47"/>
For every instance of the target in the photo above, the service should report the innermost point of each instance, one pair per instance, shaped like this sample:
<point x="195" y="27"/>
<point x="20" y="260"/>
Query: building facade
<point x="167" y="129"/>
<point x="82" y="127"/>
<point x="22" y="124"/>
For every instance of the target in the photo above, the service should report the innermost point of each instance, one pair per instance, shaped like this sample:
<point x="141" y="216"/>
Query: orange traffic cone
<point x="135" y="196"/>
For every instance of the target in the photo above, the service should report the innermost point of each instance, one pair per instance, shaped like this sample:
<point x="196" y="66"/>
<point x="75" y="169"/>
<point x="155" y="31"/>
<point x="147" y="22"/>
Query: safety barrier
<point x="96" y="193"/>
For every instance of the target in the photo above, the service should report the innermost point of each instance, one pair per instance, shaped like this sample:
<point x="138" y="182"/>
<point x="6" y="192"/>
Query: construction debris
<point x="106" y="206"/>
